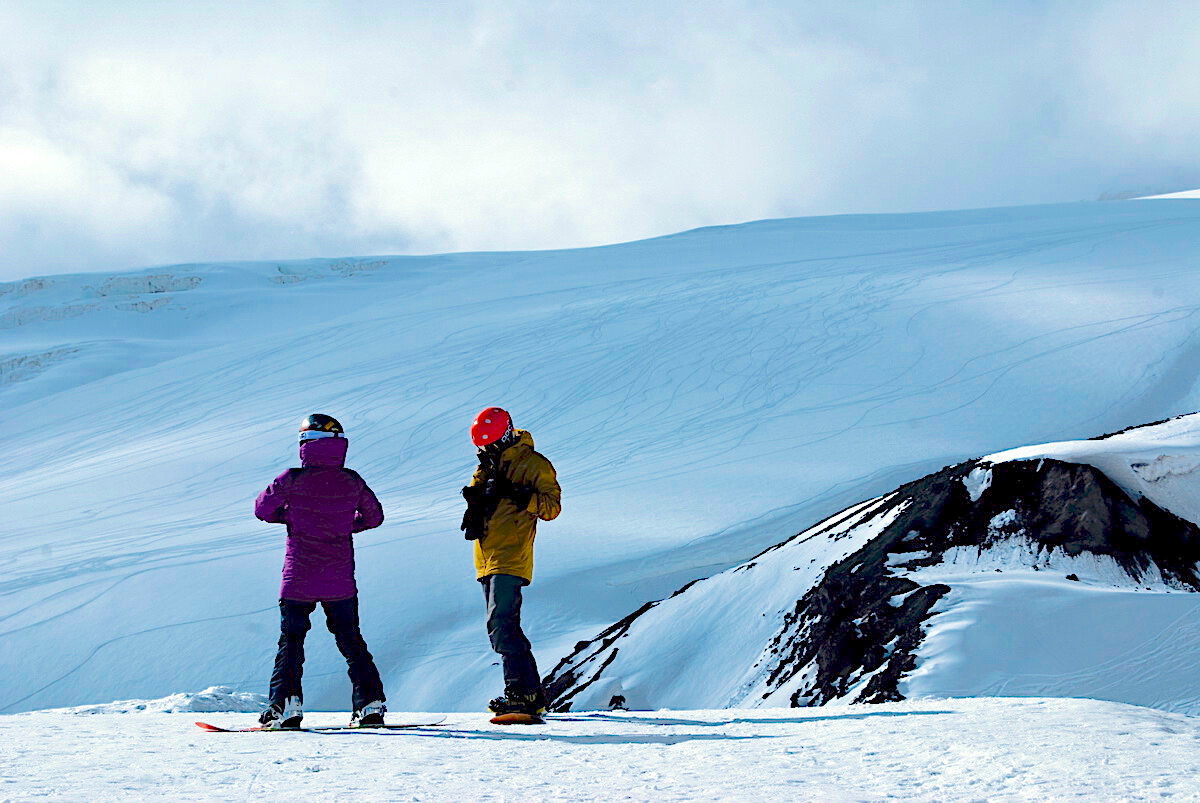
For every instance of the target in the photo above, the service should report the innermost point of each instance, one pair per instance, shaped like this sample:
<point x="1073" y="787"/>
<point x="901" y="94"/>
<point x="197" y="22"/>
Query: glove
<point x="474" y="526"/>
<point x="474" y="521"/>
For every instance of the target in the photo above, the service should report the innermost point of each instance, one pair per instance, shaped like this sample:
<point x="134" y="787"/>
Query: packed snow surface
<point x="1028" y="749"/>
<point x="703" y="396"/>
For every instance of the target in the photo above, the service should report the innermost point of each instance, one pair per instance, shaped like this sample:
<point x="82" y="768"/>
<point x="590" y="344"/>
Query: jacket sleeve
<point x="370" y="513"/>
<point x="271" y="505"/>
<point x="476" y="478"/>
<point x="546" y="502"/>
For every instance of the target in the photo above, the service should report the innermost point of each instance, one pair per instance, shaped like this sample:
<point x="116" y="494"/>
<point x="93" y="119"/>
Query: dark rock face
<point x="564" y="681"/>
<point x="856" y="631"/>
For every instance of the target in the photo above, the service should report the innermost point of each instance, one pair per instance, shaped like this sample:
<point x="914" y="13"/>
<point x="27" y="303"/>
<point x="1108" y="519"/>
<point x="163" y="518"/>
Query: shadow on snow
<point x="596" y="738"/>
<point x="632" y="738"/>
<point x="741" y="720"/>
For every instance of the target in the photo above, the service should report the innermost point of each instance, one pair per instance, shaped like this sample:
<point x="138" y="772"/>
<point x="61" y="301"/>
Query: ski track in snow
<point x="1028" y="749"/>
<point x="708" y="377"/>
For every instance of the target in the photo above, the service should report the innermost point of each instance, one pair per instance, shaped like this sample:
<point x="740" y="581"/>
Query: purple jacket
<point x="322" y="504"/>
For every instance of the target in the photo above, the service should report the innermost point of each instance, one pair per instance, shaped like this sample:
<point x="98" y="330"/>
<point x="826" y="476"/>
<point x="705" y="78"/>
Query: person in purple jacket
<point x="323" y="504"/>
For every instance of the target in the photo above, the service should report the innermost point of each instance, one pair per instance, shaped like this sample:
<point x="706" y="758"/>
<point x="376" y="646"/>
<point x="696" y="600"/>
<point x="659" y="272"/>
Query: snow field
<point x="1023" y="634"/>
<point x="955" y="749"/>
<point x="703" y="396"/>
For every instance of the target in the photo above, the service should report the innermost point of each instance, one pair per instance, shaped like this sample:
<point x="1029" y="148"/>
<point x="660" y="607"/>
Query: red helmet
<point x="490" y="426"/>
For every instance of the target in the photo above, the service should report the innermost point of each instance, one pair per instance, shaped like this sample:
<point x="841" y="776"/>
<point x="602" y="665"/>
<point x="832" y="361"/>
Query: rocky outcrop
<point x="854" y="632"/>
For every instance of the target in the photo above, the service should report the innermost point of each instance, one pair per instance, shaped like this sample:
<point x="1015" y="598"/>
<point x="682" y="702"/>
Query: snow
<point x="978" y="481"/>
<point x="1014" y="625"/>
<point x="214" y="698"/>
<point x="1184" y="194"/>
<point x="1001" y="521"/>
<point x="1022" y="633"/>
<point x="703" y="395"/>
<point x="932" y="750"/>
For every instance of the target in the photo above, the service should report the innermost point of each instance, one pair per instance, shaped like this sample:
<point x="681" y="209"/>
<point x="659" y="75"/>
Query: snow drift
<point x="703" y="396"/>
<point x="213" y="699"/>
<point x="1020" y="573"/>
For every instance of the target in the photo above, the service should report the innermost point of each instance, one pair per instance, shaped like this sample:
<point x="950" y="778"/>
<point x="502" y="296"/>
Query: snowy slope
<point x="1026" y="573"/>
<point x="703" y="396"/>
<point x="1186" y="194"/>
<point x="937" y="750"/>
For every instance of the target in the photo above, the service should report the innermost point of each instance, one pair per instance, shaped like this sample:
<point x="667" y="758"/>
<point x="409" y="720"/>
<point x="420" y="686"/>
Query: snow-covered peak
<point x="1158" y="461"/>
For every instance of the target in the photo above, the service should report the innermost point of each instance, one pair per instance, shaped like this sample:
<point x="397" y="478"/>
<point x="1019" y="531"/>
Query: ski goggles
<point x="316" y="434"/>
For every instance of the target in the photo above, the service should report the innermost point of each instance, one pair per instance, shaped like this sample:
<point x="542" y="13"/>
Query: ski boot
<point x="369" y="716"/>
<point x="282" y="716"/>
<point x="532" y="704"/>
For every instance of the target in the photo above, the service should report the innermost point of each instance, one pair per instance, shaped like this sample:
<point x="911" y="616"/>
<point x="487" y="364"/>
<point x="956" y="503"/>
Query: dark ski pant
<point x="502" y="593"/>
<point x="341" y="617"/>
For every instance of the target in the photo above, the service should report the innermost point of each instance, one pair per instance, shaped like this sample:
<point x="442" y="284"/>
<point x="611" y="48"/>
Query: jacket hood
<point x="324" y="452"/>
<point x="521" y="438"/>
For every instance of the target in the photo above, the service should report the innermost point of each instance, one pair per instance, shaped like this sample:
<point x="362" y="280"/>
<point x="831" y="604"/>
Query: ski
<point x="325" y="729"/>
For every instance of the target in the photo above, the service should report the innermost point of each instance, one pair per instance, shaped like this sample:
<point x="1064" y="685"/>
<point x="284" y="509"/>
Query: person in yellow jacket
<point x="513" y="487"/>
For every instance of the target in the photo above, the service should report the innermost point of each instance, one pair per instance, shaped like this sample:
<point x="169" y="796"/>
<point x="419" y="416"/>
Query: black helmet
<point x="319" y="425"/>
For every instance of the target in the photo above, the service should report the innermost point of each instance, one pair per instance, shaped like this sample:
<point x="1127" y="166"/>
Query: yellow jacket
<point x="508" y="546"/>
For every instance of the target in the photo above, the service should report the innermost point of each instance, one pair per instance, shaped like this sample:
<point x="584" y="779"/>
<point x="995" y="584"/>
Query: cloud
<point x="135" y="133"/>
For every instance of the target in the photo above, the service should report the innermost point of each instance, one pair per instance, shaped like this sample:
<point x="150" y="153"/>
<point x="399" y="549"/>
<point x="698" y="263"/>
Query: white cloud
<point x="40" y="180"/>
<point x="138" y="133"/>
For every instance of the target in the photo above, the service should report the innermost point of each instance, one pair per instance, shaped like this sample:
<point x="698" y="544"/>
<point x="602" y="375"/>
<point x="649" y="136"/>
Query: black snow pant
<point x="502" y="592"/>
<point x="341" y="617"/>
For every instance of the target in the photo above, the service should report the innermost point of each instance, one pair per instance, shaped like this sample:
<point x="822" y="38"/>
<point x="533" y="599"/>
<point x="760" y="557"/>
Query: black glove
<point x="474" y="526"/>
<point x="474" y="520"/>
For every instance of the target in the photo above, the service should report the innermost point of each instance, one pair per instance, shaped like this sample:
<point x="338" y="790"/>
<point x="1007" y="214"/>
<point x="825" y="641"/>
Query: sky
<point x="144" y="133"/>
